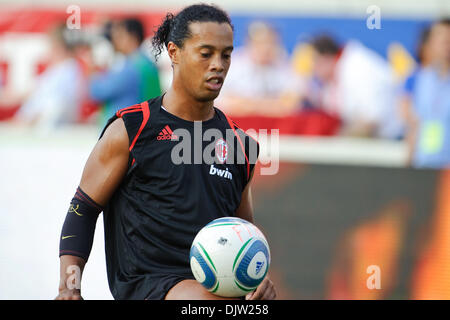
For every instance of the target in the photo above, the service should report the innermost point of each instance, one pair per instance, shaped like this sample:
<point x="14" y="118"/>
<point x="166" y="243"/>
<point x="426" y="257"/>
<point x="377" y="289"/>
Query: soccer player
<point x="152" y="205"/>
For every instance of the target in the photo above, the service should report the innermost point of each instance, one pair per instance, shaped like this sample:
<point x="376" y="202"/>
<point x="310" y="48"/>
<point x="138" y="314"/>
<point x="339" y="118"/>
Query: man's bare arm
<point x="103" y="172"/>
<point x="245" y="210"/>
<point x="107" y="164"/>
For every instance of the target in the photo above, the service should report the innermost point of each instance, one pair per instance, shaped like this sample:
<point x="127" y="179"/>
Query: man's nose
<point x="217" y="63"/>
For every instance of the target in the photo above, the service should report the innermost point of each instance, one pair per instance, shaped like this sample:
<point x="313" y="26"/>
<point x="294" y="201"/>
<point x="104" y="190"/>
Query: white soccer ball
<point x="230" y="257"/>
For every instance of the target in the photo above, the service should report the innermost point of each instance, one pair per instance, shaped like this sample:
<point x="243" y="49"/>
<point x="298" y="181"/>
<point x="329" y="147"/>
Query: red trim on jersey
<point x="146" y="114"/>
<point x="123" y="111"/>
<point x="231" y="124"/>
<point x="131" y="107"/>
<point x="236" y="125"/>
<point x="129" y="111"/>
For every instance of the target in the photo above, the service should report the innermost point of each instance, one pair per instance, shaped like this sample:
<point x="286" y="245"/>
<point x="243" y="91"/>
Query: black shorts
<point x="161" y="284"/>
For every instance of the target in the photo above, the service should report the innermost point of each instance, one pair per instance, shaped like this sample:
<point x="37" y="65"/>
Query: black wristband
<point x="77" y="234"/>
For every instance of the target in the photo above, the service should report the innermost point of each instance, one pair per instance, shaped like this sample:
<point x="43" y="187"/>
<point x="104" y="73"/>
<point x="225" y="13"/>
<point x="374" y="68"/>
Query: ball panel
<point x="214" y="290"/>
<point x="245" y="290"/>
<point x="205" y="274"/>
<point x="222" y="224"/>
<point x="234" y="220"/>
<point x="207" y="256"/>
<point x="241" y="250"/>
<point x="245" y="278"/>
<point x="222" y="220"/>
<point x="257" y="266"/>
<point x="197" y="270"/>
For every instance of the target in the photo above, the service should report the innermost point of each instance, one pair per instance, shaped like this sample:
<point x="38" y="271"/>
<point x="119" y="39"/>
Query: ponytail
<point x="161" y="37"/>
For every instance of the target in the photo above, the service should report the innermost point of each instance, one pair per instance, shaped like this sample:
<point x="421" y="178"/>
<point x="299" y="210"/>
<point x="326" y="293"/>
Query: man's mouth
<point x="214" y="83"/>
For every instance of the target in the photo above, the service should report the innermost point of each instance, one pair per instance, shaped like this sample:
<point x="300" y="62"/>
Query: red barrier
<point x="36" y="20"/>
<point x="308" y="122"/>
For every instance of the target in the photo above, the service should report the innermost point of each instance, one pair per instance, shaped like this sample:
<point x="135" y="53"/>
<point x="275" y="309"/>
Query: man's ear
<point x="174" y="52"/>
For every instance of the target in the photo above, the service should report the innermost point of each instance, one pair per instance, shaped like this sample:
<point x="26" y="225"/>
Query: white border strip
<point x="339" y="150"/>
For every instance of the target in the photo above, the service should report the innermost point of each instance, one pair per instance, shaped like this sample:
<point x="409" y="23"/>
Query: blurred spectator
<point x="424" y="58"/>
<point x="260" y="80"/>
<point x="427" y="103"/>
<point x="59" y="90"/>
<point x="130" y="80"/>
<point x="424" y="52"/>
<point x="89" y="108"/>
<point x="357" y="85"/>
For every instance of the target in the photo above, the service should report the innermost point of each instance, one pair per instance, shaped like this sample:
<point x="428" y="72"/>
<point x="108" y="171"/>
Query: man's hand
<point x="71" y="269"/>
<point x="265" y="291"/>
<point x="69" y="294"/>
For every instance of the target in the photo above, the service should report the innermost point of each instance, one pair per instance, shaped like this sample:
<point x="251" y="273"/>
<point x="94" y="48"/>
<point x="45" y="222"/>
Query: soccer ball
<point x="230" y="257"/>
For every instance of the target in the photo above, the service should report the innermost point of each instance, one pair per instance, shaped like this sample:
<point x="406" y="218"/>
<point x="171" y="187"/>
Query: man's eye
<point x="205" y="55"/>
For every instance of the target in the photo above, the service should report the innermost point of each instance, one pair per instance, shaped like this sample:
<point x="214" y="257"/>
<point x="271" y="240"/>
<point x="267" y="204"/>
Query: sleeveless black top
<point x="170" y="192"/>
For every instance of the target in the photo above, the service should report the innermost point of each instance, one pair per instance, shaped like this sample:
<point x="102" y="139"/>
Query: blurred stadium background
<point x="342" y="200"/>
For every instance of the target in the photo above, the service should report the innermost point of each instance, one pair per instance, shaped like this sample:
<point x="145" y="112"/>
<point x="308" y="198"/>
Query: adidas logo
<point x="167" y="134"/>
<point x="259" y="265"/>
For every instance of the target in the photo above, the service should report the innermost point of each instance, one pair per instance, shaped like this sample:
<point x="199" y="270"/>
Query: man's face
<point x="323" y="66"/>
<point x="120" y="38"/>
<point x="201" y="65"/>
<point x="264" y="47"/>
<point x="439" y="43"/>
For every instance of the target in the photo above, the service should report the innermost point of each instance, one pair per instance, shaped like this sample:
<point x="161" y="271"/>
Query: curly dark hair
<point x="175" y="28"/>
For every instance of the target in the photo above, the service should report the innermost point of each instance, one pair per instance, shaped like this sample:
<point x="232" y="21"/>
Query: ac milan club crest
<point x="221" y="150"/>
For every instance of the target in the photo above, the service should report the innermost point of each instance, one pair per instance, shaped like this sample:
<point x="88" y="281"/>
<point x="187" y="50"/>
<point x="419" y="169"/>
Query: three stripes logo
<point x="259" y="265"/>
<point x="167" y="134"/>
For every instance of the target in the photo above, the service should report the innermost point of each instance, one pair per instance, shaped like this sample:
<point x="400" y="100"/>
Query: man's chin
<point x="209" y="96"/>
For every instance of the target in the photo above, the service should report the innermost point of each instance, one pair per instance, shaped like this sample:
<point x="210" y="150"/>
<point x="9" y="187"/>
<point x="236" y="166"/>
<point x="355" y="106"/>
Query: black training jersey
<point x="171" y="190"/>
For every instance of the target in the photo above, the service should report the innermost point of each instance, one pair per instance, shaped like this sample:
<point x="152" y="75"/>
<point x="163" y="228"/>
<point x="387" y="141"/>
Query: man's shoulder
<point x="139" y="108"/>
<point x="135" y="117"/>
